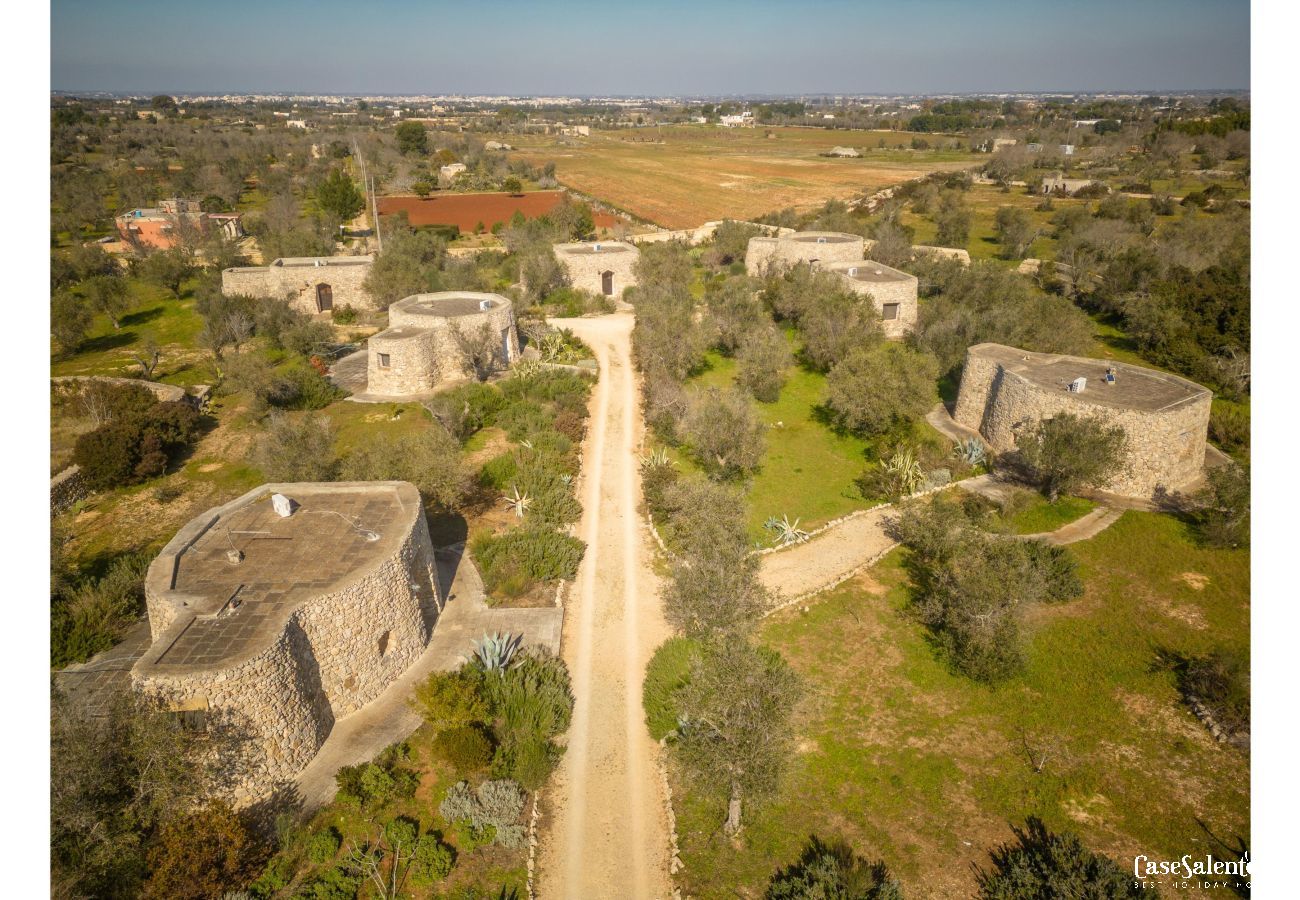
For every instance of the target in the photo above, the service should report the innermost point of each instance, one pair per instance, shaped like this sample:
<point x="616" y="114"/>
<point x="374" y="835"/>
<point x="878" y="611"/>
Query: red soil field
<point x="467" y="210"/>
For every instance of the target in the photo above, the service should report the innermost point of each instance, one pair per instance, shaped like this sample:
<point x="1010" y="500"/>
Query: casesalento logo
<point x="1192" y="872"/>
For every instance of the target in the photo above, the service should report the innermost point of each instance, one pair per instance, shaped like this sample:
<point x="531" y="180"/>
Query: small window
<point x="890" y="311"/>
<point x="383" y="360"/>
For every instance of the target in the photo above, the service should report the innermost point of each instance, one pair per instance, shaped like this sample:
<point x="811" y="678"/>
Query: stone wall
<point x="1166" y="446"/>
<point x="901" y="289"/>
<point x="330" y="654"/>
<point x="765" y="253"/>
<point x="587" y="263"/>
<point x="66" y="488"/>
<point x="296" y="280"/>
<point x="414" y="357"/>
<point x="422" y="349"/>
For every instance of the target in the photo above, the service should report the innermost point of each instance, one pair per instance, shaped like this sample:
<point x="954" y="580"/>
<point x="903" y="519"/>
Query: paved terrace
<point x="447" y="306"/>
<point x="1134" y="388"/>
<point x="238" y="608"/>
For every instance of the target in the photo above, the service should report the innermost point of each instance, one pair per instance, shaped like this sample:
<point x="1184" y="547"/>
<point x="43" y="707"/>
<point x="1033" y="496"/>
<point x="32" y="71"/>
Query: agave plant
<point x="496" y="651"/>
<point x="655" y="459"/>
<point x="971" y="451"/>
<point x="518" y="502"/>
<point x="905" y="469"/>
<point x="786" y="532"/>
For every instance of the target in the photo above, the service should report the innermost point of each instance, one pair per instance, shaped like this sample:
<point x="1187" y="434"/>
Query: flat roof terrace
<point x="870" y="272"/>
<point x="600" y="247"/>
<point x="337" y="534"/>
<point x="449" y="304"/>
<point x="316" y="261"/>
<point x="1135" y="387"/>
<point x="823" y="237"/>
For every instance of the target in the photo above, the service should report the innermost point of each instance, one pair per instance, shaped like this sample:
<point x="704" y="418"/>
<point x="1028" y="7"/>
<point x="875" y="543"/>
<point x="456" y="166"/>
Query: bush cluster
<point x="138" y="438"/>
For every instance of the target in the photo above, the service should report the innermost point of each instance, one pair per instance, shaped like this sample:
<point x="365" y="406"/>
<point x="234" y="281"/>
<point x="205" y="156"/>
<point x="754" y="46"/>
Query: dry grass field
<point x="682" y="176"/>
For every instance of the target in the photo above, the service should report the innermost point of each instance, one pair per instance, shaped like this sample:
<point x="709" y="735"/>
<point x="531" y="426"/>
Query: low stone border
<point x="532" y="843"/>
<point x="1222" y="735"/>
<point x="675" y="864"/>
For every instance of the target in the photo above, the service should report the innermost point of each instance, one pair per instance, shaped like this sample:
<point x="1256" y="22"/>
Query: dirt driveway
<point x="606" y="833"/>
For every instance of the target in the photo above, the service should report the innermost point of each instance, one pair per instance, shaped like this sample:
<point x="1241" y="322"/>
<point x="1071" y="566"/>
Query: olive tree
<point x="1068" y="453"/>
<point x="763" y="359"/>
<point x="737" y="708"/>
<point x="879" y="387"/>
<point x="724" y="433"/>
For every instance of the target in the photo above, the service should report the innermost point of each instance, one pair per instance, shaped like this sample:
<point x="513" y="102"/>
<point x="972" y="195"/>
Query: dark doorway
<point x="607" y="283"/>
<point x="324" y="298"/>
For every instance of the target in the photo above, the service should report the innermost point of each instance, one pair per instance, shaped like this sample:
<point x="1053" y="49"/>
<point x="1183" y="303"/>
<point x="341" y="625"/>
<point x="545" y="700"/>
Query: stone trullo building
<point x="310" y="284"/>
<point x="768" y="254"/>
<point x="892" y="292"/>
<point x="601" y="267"/>
<point x="1005" y="391"/>
<point x="280" y="624"/>
<point x="421" y="350"/>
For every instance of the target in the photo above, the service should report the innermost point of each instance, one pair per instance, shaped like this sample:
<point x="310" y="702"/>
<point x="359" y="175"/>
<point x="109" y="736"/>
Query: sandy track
<point x="606" y="834"/>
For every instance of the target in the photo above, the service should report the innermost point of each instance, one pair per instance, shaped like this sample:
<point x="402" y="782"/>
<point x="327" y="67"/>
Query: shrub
<point x="202" y="854"/>
<point x="334" y="884"/>
<point x="466" y="409"/>
<point x="450" y="700"/>
<point x="1230" y="427"/>
<point x="531" y="704"/>
<point x="667" y="673"/>
<point x="302" y="387"/>
<point x="296" y="449"/>
<point x="432" y="861"/>
<point x="465" y="748"/>
<point x="538" y="553"/>
<point x="1223" y="514"/>
<point x="371" y="785"/>
<point x="1044" y="864"/>
<point x="833" y="870"/>
<point x="135" y="446"/>
<point x="430" y="459"/>
<point x="343" y="315"/>
<point x="762" y="361"/>
<point x="1058" y="568"/>
<point x="489" y="814"/>
<point x="1220" y="680"/>
<point x="324" y="845"/>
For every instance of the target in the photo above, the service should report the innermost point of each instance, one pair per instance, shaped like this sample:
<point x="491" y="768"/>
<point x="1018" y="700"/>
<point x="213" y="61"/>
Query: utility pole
<point x="379" y="234"/>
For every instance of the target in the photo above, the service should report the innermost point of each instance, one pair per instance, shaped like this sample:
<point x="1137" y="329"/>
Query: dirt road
<point x="606" y="833"/>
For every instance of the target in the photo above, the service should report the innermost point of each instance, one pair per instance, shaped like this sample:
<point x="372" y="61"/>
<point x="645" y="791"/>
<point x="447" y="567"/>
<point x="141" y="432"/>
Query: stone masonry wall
<point x="902" y="292"/>
<point x="1166" y="447"/>
<point x="586" y="266"/>
<point x="420" y="363"/>
<point x="296" y="283"/>
<point x="801" y="247"/>
<point x="66" y="488"/>
<point x="414" y="362"/>
<point x="335" y="653"/>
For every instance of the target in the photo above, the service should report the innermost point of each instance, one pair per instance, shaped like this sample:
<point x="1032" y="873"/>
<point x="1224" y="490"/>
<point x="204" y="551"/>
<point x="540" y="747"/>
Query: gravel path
<point x="605" y="831"/>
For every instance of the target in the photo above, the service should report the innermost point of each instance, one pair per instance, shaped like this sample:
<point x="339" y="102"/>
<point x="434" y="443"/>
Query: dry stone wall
<point x="1166" y="446"/>
<point x="297" y="280"/>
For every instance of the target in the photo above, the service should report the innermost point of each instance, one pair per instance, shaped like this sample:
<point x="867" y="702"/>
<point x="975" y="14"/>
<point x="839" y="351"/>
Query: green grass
<point x="171" y="322"/>
<point x="912" y="763"/>
<point x="807" y="470"/>
<point x="1042" y="515"/>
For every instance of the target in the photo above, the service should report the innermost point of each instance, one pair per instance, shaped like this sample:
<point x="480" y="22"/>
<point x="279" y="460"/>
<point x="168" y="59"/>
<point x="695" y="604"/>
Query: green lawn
<point x="928" y="770"/>
<point x="1041" y="515"/>
<point x="808" y="469"/>
<point x="170" y="321"/>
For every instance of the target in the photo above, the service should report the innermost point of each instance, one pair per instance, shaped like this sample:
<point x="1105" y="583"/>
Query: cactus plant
<point x="655" y="459"/>
<point x="903" y="466"/>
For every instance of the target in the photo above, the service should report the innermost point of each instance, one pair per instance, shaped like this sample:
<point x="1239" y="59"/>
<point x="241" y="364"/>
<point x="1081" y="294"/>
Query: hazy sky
<point x="674" y="47"/>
